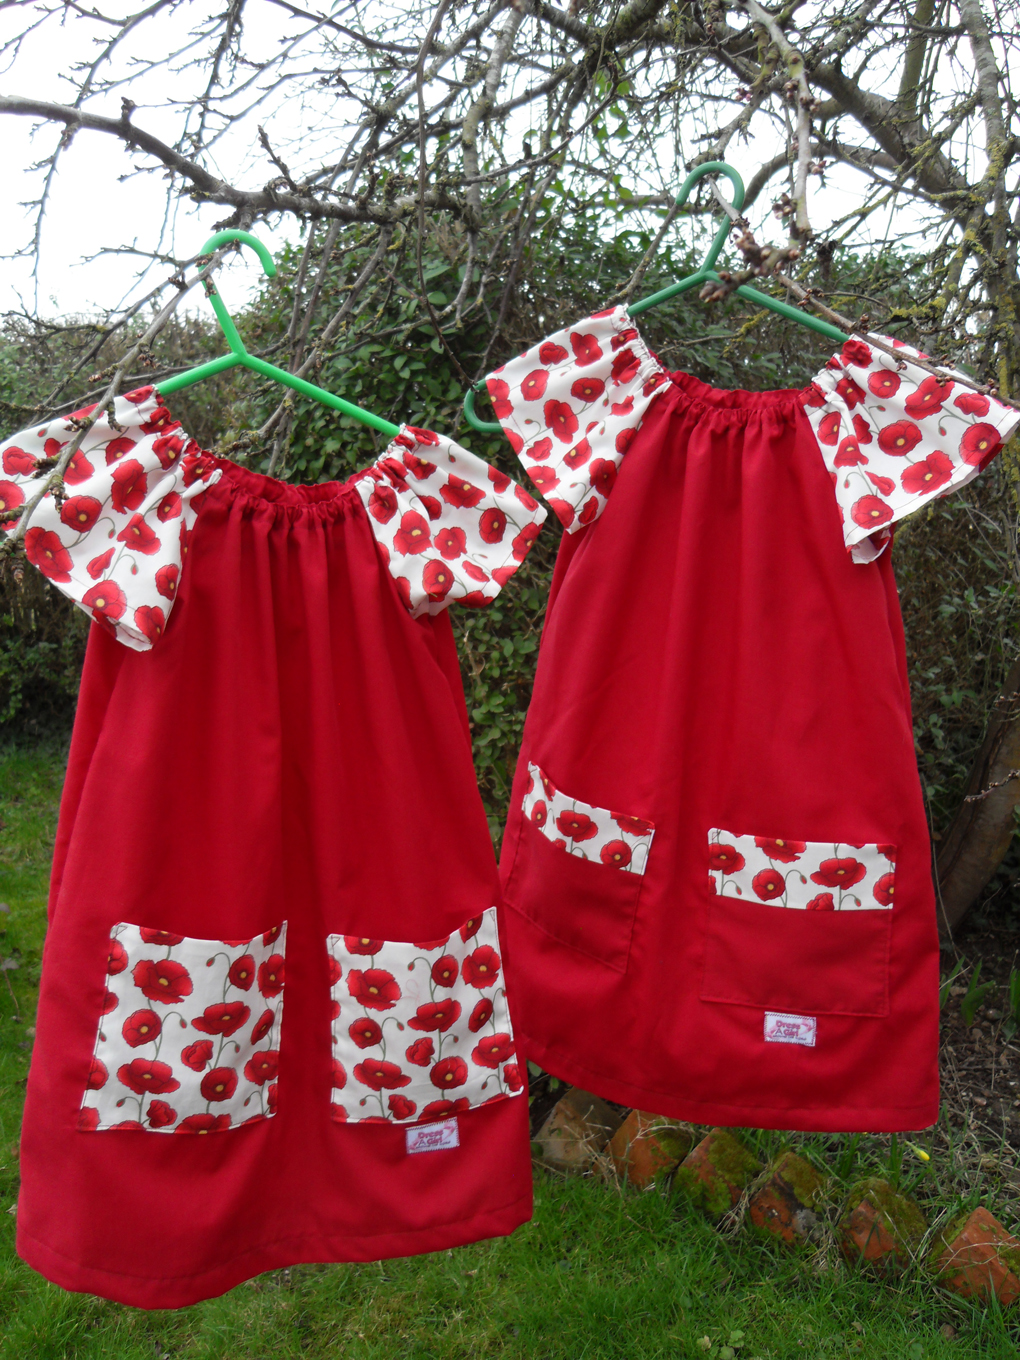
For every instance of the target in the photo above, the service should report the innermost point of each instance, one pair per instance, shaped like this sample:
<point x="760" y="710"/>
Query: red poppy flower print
<point x="117" y="958"/>
<point x="823" y="902"/>
<point x="449" y="1073"/>
<point x="365" y="1032"/>
<point x="838" y="873"/>
<point x="128" y="487"/>
<point x="107" y="599"/>
<point x="576" y="826"/>
<point x="78" y="512"/>
<point x="98" y="565"/>
<point x="163" y="981"/>
<point x="333" y="969"/>
<point x="225" y="1017"/>
<point x="980" y="444"/>
<point x="480" y="1015"/>
<point x="602" y="475"/>
<point x="856" y="352"/>
<point x="144" y="1076"/>
<point x="545" y="479"/>
<point x="380" y="1075"/>
<point x="110" y="1002"/>
<point x="18" y="463"/>
<point x="725" y="859"/>
<point x="538" y="453"/>
<point x="219" y="1084"/>
<point x="262" y="1026"/>
<point x="339" y="1076"/>
<point x="587" y="389"/>
<point x="450" y="543"/>
<point x="166" y="580"/>
<point x="586" y="348"/>
<point x="970" y="403"/>
<point x="899" y="439"/>
<point x="768" y="884"/>
<point x="429" y="945"/>
<point x="169" y="507"/>
<point x="242" y="972"/>
<point x="270" y="976"/>
<point x="930" y="396"/>
<point x="361" y="944"/>
<point x="470" y="928"/>
<point x="475" y="572"/>
<point x="783" y="851"/>
<point x="117" y="448"/>
<point x="928" y="474"/>
<point x="499" y="395"/>
<point x="97" y="1077"/>
<point x="828" y="428"/>
<point x="551" y="353"/>
<point x="420" y="1053"/>
<point x="851" y="393"/>
<point x="198" y="1055"/>
<point x="435" y="1015"/>
<point x="382" y="503"/>
<point x="616" y="854"/>
<point x="885" y="486"/>
<point x="168" y="449"/>
<point x="413" y="536"/>
<point x="439" y="1109"/>
<point x="521" y="543"/>
<point x="444" y="971"/>
<point x="513" y="1076"/>
<point x="848" y="454"/>
<point x="204" y="1123"/>
<point x="493" y="1050"/>
<point x="194" y="469"/>
<point x="143" y="1027"/>
<point x="814" y="396"/>
<point x="375" y="989"/>
<point x="871" y="512"/>
<point x="159" y="419"/>
<point x="150" y="621"/>
<point x="400" y="1107"/>
<point x="460" y="493"/>
<point x="418" y="467"/>
<point x="271" y="936"/>
<point x="578" y="455"/>
<point x="481" y="967"/>
<point x="589" y="511"/>
<point x="634" y="826"/>
<point x="45" y="551"/>
<point x="862" y="430"/>
<point x="885" y="383"/>
<point x="624" y="439"/>
<point x="160" y="1115"/>
<point x="560" y="420"/>
<point x="883" y="889"/>
<point x="625" y="365"/>
<point x="262" y="1067"/>
<point x="437" y="579"/>
<point x="79" y="469"/>
<point x="165" y="939"/>
<point x="534" y="385"/>
<point x="889" y="851"/>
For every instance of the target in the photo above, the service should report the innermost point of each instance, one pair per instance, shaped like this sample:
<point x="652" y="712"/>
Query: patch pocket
<point x="189" y="1038"/>
<point x="578" y="870"/>
<point x="421" y="1030"/>
<point x="799" y="926"/>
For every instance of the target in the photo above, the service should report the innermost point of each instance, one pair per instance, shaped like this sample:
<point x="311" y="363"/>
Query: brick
<point x="576" y="1131"/>
<point x="975" y="1257"/>
<point x="647" y="1145"/>
<point x="785" y="1205"/>
<point x="881" y="1226"/>
<point x="716" y="1172"/>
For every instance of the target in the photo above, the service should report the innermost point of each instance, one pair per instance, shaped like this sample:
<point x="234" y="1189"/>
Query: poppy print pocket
<point x="421" y="1030"/>
<point x="799" y="926"/>
<point x="578" y="870"/>
<point x="189" y="1038"/>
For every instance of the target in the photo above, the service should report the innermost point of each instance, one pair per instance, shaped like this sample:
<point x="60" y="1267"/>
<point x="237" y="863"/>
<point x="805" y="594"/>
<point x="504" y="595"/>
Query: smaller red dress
<point x="716" y="863"/>
<point x="273" y="1024"/>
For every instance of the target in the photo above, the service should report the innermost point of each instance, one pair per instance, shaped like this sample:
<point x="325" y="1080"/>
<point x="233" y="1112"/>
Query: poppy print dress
<point x="273" y="1026"/>
<point x="716" y="864"/>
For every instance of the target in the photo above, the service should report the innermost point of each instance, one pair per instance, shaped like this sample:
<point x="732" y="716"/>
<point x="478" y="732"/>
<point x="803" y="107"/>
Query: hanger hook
<point x="245" y="237"/>
<point x="737" y="202"/>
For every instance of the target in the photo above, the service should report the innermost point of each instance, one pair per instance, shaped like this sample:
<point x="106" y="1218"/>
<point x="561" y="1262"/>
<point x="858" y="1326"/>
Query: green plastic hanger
<point x="239" y="355"/>
<point x="707" y="271"/>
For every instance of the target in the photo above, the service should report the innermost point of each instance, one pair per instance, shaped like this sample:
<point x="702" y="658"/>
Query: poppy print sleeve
<point x="893" y="437"/>
<point x="116" y="541"/>
<point x="571" y="406"/>
<point x="450" y="528"/>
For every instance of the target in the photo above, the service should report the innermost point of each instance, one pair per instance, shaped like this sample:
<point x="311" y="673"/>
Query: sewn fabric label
<point x="433" y="1137"/>
<point x="790" y="1029"/>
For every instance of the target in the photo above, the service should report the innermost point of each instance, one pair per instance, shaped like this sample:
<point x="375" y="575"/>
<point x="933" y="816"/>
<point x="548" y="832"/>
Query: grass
<point x="601" y="1273"/>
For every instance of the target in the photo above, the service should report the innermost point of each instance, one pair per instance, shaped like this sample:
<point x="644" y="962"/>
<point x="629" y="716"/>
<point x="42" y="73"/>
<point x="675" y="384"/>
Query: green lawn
<point x="598" y="1273"/>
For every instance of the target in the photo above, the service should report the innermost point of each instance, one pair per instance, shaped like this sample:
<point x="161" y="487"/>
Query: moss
<point x="1009" y="1256"/>
<point x="733" y="1164"/>
<point x="903" y="1219"/>
<point x="803" y="1179"/>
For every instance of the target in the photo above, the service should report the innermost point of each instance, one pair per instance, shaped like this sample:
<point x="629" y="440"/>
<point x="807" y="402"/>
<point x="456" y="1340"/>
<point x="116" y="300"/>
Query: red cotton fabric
<point x="720" y="731"/>
<point x="295" y="749"/>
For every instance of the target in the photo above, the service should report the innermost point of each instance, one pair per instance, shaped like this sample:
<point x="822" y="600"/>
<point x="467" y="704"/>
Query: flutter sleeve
<point x="115" y="541"/>
<point x="571" y="406"/>
<point x="893" y="437"/>
<point x="451" y="528"/>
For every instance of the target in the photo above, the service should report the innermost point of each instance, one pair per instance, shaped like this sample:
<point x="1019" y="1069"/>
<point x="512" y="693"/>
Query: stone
<point x="716" y="1172"/>
<point x="785" y="1204"/>
<point x="975" y="1257"/>
<point x="880" y="1227"/>
<point x="578" y="1128"/>
<point x="648" y="1145"/>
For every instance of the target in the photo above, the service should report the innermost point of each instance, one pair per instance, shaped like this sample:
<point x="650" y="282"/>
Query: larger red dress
<point x="716" y="863"/>
<point x="272" y="1025"/>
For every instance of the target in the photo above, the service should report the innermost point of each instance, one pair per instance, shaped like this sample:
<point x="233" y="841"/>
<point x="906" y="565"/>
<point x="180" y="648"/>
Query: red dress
<point x="716" y="863"/>
<point x="272" y="909"/>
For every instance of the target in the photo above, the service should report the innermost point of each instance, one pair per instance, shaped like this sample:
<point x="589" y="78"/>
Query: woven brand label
<point x="433" y="1137"/>
<point x="790" y="1029"/>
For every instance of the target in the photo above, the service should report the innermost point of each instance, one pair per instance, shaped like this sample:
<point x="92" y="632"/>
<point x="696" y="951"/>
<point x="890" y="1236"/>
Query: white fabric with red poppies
<point x="421" y="1030"/>
<point x="894" y="437"/>
<point x="189" y="1038"/>
<point x="571" y="406"/>
<point x="809" y="875"/>
<point x="116" y="543"/>
<point x="615" y="839"/>
<point x="452" y="528"/>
